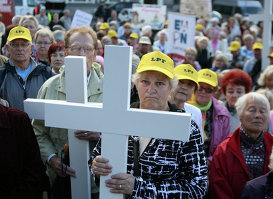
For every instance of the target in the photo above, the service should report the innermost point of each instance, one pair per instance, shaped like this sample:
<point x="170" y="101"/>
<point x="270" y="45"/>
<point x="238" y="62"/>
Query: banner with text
<point x="199" y="8"/>
<point x="81" y="18"/>
<point x="181" y="32"/>
<point x="149" y="14"/>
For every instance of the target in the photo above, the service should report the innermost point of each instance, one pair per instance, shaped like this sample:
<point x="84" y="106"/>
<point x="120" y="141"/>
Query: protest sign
<point x="181" y="32"/>
<point x="81" y="19"/>
<point x="199" y="8"/>
<point x="148" y="14"/>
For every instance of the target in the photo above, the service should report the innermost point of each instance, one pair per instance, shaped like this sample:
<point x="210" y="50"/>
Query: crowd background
<point x="228" y="50"/>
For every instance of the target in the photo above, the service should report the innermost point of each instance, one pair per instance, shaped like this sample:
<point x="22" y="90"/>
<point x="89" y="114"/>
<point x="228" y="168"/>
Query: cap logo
<point x="188" y="71"/>
<point x="158" y="59"/>
<point x="207" y="75"/>
<point x="20" y="31"/>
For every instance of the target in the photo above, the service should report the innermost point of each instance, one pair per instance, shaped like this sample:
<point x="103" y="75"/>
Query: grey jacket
<point x="15" y="90"/>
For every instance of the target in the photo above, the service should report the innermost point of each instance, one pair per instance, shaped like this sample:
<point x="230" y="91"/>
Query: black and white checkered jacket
<point x="167" y="168"/>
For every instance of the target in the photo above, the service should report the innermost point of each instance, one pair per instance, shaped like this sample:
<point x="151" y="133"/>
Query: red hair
<point x="236" y="77"/>
<point x="54" y="48"/>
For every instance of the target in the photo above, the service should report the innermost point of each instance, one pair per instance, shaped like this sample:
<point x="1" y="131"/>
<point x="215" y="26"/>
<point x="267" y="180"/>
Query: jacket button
<point x="98" y="89"/>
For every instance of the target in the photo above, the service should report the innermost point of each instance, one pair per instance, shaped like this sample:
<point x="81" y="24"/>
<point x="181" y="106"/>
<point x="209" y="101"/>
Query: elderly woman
<point x="234" y="84"/>
<point x="183" y="172"/>
<point x="31" y="23"/>
<point x="187" y="83"/>
<point x="56" y="56"/>
<point x="216" y="118"/>
<point x="43" y="39"/>
<point x="244" y="155"/>
<point x="266" y="78"/>
<point x="190" y="58"/>
<point x="220" y="63"/>
<point x="161" y="43"/>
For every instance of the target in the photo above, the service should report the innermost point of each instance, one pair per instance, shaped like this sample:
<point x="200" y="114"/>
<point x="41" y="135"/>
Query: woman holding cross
<point x="157" y="168"/>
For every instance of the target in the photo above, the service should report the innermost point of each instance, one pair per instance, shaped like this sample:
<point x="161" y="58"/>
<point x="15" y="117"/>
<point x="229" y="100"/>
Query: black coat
<point x="259" y="188"/>
<point x="21" y="165"/>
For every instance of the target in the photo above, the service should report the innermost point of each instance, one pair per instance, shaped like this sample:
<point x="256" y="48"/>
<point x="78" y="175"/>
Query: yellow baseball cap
<point x="208" y="76"/>
<point x="186" y="71"/>
<point x="104" y="26"/>
<point x="271" y="55"/>
<point x="134" y="35"/>
<point x="199" y="27"/>
<point x="19" y="32"/>
<point x="112" y="33"/>
<point x="235" y="45"/>
<point x="257" y="45"/>
<point x="156" y="61"/>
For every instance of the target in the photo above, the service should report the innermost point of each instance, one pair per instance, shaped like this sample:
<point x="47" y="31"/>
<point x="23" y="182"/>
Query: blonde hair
<point x="193" y="50"/>
<point x="202" y="38"/>
<point x="43" y="33"/>
<point x="266" y="73"/>
<point x="268" y="94"/>
<point x="31" y="18"/>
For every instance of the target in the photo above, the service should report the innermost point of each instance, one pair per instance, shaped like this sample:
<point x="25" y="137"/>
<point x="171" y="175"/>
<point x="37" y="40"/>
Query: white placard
<point x="81" y="18"/>
<point x="149" y="14"/>
<point x="181" y="31"/>
<point x="199" y="8"/>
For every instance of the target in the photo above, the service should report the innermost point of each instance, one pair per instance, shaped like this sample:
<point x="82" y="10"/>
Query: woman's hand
<point x="121" y="183"/>
<point x="101" y="166"/>
<point x="87" y="135"/>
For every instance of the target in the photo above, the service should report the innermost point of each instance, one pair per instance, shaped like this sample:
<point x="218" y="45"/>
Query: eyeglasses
<point x="43" y="43"/>
<point x="77" y="50"/>
<point x="17" y="45"/>
<point x="207" y="90"/>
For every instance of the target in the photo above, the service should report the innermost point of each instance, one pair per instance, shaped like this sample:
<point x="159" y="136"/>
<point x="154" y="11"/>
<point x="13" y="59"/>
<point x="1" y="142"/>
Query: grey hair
<point x="243" y="101"/>
<point x="266" y="73"/>
<point x="59" y="35"/>
<point x="31" y="18"/>
<point x="16" y="19"/>
<point x="222" y="57"/>
<point x="136" y="76"/>
<point x="44" y="32"/>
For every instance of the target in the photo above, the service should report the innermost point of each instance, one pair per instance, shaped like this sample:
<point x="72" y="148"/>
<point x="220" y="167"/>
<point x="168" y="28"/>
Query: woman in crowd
<point x="235" y="84"/>
<point x="244" y="155"/>
<point x="187" y="83"/>
<point x="203" y="55"/>
<point x="43" y="39"/>
<point x="161" y="44"/>
<point x="216" y="118"/>
<point x="177" y="171"/>
<point x="56" y="56"/>
<point x="190" y="58"/>
<point x="266" y="78"/>
<point x="220" y="63"/>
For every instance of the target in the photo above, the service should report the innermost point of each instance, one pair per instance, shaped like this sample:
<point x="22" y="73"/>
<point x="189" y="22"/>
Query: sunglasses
<point x="207" y="90"/>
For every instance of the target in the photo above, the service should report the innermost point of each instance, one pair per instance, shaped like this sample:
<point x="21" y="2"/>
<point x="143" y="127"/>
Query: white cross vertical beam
<point x="267" y="19"/>
<point x="117" y="158"/>
<point x="76" y="91"/>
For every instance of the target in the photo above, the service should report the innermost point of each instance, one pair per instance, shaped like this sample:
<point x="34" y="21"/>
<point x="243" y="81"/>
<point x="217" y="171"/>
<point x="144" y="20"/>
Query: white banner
<point x="199" y="8"/>
<point x="149" y="14"/>
<point x="181" y="32"/>
<point x="81" y="18"/>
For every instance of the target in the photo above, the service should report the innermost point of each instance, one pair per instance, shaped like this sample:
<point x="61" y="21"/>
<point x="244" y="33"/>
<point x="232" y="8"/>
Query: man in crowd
<point x="238" y="59"/>
<point x="21" y="77"/>
<point x="144" y="46"/>
<point x="66" y="19"/>
<point x="42" y="18"/>
<point x="80" y="41"/>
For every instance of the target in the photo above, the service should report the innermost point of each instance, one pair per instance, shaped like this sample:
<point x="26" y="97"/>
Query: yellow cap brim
<point x="154" y="68"/>
<point x="186" y="77"/>
<point x="19" y="37"/>
<point x="208" y="82"/>
<point x="233" y="49"/>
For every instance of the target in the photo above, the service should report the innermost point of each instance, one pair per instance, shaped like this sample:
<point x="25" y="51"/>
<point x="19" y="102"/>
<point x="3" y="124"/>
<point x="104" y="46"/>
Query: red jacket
<point x="228" y="172"/>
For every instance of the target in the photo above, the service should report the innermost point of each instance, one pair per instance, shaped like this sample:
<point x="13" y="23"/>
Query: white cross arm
<point x="35" y="108"/>
<point x="168" y="120"/>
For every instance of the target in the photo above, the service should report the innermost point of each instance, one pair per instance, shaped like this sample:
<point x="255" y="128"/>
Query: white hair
<point x="136" y="76"/>
<point x="243" y="101"/>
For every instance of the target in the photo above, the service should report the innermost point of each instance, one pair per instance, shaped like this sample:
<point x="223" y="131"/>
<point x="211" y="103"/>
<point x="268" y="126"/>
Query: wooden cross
<point x="113" y="118"/>
<point x="267" y="19"/>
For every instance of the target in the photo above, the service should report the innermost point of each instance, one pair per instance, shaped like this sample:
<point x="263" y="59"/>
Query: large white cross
<point x="113" y="118"/>
<point x="267" y="19"/>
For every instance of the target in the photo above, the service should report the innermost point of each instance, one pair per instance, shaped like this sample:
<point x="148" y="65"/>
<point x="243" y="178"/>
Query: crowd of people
<point x="219" y="81"/>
